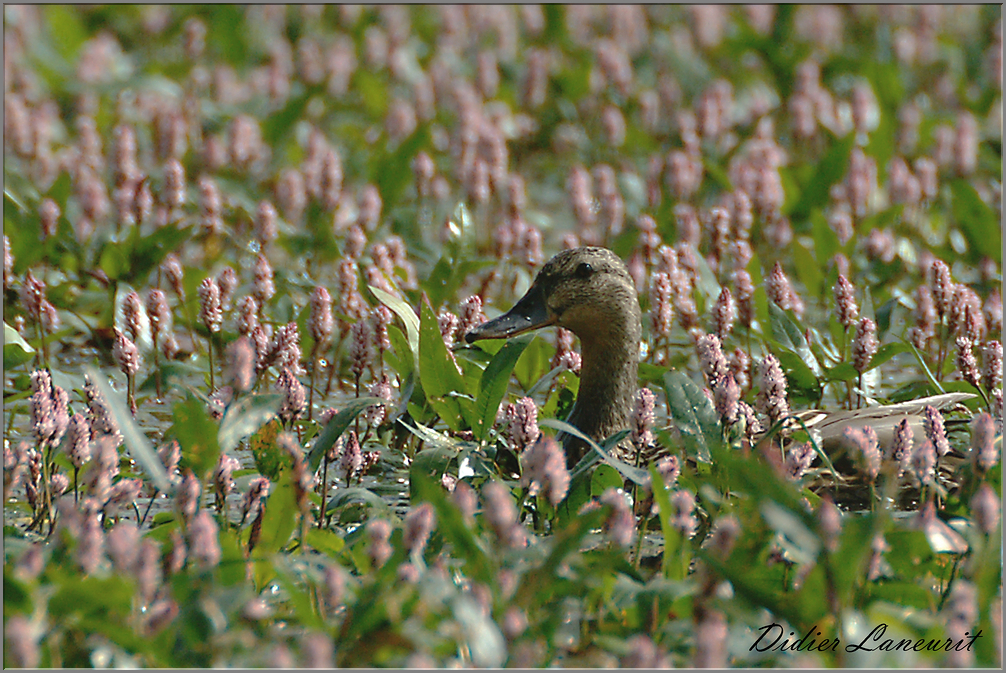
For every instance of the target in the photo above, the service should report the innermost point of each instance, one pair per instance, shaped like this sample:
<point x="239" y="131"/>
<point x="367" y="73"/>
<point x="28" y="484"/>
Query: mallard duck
<point x="589" y="292"/>
<point x="828" y="426"/>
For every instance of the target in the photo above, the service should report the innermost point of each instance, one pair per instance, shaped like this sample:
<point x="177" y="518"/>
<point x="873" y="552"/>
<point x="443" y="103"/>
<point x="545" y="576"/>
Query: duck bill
<point x="527" y="314"/>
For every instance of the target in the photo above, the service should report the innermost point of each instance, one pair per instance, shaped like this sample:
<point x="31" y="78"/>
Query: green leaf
<point x="432" y="437"/>
<point x="61" y="190"/>
<point x="269" y="458"/>
<point x="245" y="417"/>
<point x="176" y="374"/>
<point x="400" y="357"/>
<point x="886" y="352"/>
<point x="196" y="432"/>
<point x="793" y="535"/>
<point x="404" y="312"/>
<point x="603" y="478"/>
<point x="449" y="274"/>
<point x="905" y="594"/>
<point x="883" y="139"/>
<point x="809" y="268"/>
<point x="109" y="598"/>
<point x="392" y="173"/>
<point x="150" y="251"/>
<point x="494" y="382"/>
<point x="672" y="539"/>
<point x="17" y="196"/>
<point x="16" y="351"/>
<point x="798" y="374"/>
<point x="534" y="363"/>
<point x="438" y="374"/>
<point x="228" y="36"/>
<point x="433" y="462"/>
<point x="565" y="541"/>
<point x="451" y="524"/>
<point x="599" y="451"/>
<point x="335" y="427"/>
<point x="17" y="597"/>
<point x="66" y="29"/>
<point x="436" y="283"/>
<point x="579" y="493"/>
<point x="788" y="335"/>
<point x="692" y="414"/>
<point x="480" y="633"/>
<point x="830" y="169"/>
<point x="297" y="594"/>
<point x="851" y="557"/>
<point x="137" y="443"/>
<point x="325" y="541"/>
<point x="277" y="125"/>
<point x="843" y="371"/>
<point x="373" y="91"/>
<point x="825" y="239"/>
<point x="574" y="82"/>
<point x="356" y="495"/>
<point x="113" y="261"/>
<point x="280" y="517"/>
<point x="977" y="220"/>
<point x="231" y="571"/>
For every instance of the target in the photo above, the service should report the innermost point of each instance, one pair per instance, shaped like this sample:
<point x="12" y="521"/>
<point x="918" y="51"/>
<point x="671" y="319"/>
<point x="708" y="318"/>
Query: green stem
<point x="310" y="388"/>
<point x="129" y="394"/>
<point x="639" y="543"/>
<point x="209" y="349"/>
<point x="149" y="504"/>
<point x="324" y="490"/>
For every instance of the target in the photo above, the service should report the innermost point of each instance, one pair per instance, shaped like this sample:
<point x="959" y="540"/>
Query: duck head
<point x="589" y="292"/>
<point x="586" y="290"/>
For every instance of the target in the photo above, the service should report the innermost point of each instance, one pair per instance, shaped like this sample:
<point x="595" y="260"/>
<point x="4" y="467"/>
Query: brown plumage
<point x="589" y="292"/>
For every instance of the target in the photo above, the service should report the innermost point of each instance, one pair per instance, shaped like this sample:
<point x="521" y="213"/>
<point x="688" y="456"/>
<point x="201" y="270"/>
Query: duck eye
<point x="584" y="270"/>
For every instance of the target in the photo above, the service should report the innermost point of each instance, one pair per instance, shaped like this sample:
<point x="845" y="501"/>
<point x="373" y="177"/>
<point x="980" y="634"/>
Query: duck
<point x="589" y="291"/>
<point x="827" y="427"/>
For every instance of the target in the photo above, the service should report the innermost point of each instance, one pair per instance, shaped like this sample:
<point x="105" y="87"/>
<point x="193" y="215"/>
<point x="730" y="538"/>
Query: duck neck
<point x="607" y="380"/>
